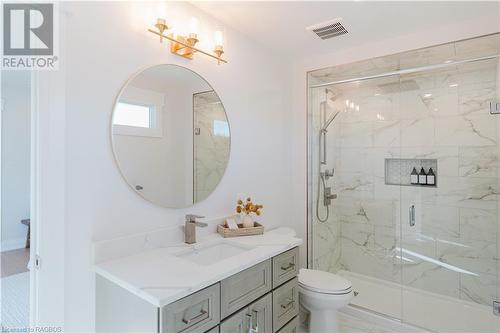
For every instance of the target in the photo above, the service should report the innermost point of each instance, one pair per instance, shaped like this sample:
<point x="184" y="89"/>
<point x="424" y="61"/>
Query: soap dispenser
<point x="414" y="177"/>
<point x="431" y="178"/>
<point x="422" y="177"/>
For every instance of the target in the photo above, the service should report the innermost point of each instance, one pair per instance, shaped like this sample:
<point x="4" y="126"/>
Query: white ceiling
<point x="281" y="24"/>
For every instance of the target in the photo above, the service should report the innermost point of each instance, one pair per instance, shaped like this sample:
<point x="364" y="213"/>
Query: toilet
<point x="322" y="294"/>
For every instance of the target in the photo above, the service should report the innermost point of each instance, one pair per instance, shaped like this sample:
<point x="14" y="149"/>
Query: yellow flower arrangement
<point x="248" y="207"/>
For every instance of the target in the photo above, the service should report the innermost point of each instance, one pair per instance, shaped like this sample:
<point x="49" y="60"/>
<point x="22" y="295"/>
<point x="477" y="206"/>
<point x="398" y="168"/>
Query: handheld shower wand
<point x="324" y="175"/>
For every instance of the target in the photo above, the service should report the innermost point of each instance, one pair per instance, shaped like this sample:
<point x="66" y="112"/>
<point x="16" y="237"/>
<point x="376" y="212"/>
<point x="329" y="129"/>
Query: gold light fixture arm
<point x="187" y="44"/>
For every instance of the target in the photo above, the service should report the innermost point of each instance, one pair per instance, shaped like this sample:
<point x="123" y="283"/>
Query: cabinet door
<point x="245" y="287"/>
<point x="237" y="323"/>
<point x="261" y="315"/>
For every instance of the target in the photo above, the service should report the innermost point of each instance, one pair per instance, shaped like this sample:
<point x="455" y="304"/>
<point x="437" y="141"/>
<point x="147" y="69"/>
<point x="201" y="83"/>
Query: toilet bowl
<point x="322" y="294"/>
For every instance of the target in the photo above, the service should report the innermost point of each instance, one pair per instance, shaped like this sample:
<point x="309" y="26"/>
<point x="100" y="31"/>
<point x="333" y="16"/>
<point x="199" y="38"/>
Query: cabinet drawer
<point x="257" y="317"/>
<point x="285" y="266"/>
<point x="243" y="288"/>
<point x="214" y="330"/>
<point x="291" y="327"/>
<point x="195" y="313"/>
<point x="285" y="303"/>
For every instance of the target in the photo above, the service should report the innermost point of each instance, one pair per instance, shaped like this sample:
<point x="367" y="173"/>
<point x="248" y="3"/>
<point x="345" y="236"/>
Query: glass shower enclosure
<point x="422" y="251"/>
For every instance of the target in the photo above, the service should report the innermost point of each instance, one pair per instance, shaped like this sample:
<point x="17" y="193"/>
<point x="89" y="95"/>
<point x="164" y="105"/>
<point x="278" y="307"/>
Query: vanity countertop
<point x="160" y="277"/>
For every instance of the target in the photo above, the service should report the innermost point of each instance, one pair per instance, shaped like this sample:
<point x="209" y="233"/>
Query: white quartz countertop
<point x="160" y="277"/>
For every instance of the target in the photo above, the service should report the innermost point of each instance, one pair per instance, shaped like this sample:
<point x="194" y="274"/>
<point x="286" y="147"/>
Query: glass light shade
<point x="193" y="26"/>
<point x="218" y="38"/>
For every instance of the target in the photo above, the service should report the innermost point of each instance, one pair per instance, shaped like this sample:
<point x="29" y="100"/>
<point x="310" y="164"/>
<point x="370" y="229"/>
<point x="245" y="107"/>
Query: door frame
<point x="48" y="184"/>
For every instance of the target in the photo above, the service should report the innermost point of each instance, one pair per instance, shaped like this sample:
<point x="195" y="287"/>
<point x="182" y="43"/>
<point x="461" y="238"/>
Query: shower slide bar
<point x="406" y="71"/>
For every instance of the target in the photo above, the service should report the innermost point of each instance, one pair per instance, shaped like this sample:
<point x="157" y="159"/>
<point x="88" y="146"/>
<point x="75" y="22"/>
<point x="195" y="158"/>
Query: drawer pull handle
<point x="286" y="268"/>
<point x="251" y="327"/>
<point x="287" y="305"/>
<point x="255" y="329"/>
<point x="195" y="319"/>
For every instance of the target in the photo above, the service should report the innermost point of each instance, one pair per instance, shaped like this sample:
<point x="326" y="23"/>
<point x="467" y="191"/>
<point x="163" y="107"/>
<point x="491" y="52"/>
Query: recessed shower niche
<point x="398" y="171"/>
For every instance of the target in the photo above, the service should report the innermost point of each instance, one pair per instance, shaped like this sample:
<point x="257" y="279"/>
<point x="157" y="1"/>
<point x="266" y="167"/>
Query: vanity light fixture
<point x="219" y="50"/>
<point x="185" y="46"/>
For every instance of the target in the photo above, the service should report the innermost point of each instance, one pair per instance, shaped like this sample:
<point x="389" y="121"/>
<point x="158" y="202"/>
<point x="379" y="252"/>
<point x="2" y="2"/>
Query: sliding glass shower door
<point x="450" y="228"/>
<point x="423" y="250"/>
<point x="357" y="234"/>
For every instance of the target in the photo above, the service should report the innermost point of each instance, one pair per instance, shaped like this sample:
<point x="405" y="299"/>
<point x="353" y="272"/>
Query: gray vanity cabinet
<point x="257" y="317"/>
<point x="263" y="298"/>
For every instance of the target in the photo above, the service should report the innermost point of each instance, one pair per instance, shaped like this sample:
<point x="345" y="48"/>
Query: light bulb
<point x="357" y="107"/>
<point x="218" y="38"/>
<point x="351" y="105"/>
<point x="346" y="102"/>
<point x="193" y="26"/>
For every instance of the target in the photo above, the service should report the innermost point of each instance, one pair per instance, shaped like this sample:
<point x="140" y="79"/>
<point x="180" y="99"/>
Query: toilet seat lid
<point x="323" y="282"/>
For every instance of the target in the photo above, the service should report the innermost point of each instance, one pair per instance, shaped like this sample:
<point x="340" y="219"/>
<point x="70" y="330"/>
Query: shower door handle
<point x="411" y="215"/>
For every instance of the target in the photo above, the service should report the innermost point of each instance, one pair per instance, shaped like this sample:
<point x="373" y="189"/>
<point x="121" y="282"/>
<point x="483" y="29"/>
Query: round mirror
<point x="170" y="136"/>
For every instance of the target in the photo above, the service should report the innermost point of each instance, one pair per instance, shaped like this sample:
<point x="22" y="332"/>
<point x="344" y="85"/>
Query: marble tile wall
<point x="211" y="146"/>
<point x="453" y="248"/>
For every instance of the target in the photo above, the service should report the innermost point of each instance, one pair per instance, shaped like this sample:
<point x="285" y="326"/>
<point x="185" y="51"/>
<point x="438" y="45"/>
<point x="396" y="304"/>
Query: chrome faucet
<point x="190" y="228"/>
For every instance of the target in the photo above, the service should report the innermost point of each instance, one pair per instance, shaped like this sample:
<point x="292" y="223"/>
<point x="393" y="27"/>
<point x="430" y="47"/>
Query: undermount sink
<point x="210" y="254"/>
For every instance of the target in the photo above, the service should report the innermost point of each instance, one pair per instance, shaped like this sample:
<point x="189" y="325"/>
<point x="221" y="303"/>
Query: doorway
<point x="15" y="202"/>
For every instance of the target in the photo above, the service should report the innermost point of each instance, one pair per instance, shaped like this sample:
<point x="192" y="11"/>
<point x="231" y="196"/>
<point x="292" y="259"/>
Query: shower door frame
<point x="310" y="149"/>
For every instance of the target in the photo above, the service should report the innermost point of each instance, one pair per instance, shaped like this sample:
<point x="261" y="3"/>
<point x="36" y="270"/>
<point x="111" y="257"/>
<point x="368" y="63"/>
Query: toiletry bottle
<point x="422" y="177"/>
<point x="431" y="178"/>
<point x="414" y="176"/>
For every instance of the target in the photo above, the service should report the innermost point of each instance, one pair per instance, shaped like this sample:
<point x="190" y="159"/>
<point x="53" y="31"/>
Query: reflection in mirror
<point x="170" y="136"/>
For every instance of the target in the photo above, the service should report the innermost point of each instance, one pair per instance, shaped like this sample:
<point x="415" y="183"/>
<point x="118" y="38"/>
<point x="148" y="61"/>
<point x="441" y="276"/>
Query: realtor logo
<point x="28" y="36"/>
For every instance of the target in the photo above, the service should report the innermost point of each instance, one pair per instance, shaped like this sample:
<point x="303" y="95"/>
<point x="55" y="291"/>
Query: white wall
<point x="300" y="67"/>
<point x="99" y="58"/>
<point x="15" y="159"/>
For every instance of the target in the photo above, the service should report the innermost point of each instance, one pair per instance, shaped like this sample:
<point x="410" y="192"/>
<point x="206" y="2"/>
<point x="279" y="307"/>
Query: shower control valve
<point x="329" y="196"/>
<point x="328" y="173"/>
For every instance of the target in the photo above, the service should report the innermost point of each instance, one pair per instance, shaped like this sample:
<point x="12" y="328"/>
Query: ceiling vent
<point x="329" y="29"/>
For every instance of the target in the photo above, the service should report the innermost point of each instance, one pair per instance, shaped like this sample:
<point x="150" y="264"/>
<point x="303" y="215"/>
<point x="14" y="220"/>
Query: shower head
<point x="331" y="95"/>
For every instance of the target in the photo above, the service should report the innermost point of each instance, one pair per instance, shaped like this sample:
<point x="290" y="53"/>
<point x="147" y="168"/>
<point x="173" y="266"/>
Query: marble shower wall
<point x="441" y="114"/>
<point x="324" y="237"/>
<point x="211" y="145"/>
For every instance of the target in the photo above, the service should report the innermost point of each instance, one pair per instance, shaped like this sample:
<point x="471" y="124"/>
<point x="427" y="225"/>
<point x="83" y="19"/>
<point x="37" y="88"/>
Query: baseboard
<point x="12" y="244"/>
